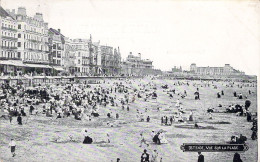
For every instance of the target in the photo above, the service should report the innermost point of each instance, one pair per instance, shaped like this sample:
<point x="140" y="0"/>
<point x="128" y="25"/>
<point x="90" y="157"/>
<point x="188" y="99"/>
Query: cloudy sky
<point x="171" y="33"/>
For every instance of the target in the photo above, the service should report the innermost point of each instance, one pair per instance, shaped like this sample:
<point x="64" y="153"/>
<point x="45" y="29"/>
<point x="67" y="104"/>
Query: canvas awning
<point x="12" y="62"/>
<point x="38" y="66"/>
<point x="58" y="68"/>
<point x="5" y="62"/>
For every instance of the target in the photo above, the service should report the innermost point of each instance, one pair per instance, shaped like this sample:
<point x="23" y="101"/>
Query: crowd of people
<point x="83" y="102"/>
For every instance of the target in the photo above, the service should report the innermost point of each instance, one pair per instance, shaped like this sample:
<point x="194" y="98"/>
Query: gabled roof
<point x="4" y="14"/>
<point x="56" y="32"/>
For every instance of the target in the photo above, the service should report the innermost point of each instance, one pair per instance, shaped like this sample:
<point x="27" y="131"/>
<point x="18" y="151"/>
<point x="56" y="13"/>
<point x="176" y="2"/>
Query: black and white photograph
<point x="129" y="80"/>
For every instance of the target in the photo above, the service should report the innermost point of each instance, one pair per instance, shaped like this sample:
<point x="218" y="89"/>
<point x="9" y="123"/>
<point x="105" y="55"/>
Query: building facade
<point x="8" y="43"/>
<point x="111" y="60"/>
<point x="33" y="45"/>
<point x="226" y="70"/>
<point x="81" y="61"/>
<point x="56" y="49"/>
<point x="70" y="56"/>
<point x="82" y="57"/>
<point x="176" y="69"/>
<point x="94" y="57"/>
<point x="135" y="65"/>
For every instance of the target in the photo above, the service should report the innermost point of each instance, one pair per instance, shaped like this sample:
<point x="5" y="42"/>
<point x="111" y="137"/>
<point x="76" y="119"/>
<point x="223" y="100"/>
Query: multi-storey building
<point x="33" y="41"/>
<point x="69" y="59"/>
<point x="135" y="65"/>
<point x="176" y="69"/>
<point x="226" y="70"/>
<point x="82" y="58"/>
<point x="94" y="57"/>
<point x="56" y="49"/>
<point x="8" y="44"/>
<point x="110" y="60"/>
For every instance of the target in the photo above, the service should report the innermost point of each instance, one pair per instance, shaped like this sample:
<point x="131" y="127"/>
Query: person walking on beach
<point x="143" y="141"/>
<point x="12" y="144"/>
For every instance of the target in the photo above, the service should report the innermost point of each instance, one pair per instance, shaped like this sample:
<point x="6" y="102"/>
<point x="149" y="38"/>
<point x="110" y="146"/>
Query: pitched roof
<point x="55" y="32"/>
<point x="4" y="14"/>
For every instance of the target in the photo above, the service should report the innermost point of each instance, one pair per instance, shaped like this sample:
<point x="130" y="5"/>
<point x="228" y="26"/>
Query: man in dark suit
<point x="237" y="158"/>
<point x="201" y="157"/>
<point x="145" y="156"/>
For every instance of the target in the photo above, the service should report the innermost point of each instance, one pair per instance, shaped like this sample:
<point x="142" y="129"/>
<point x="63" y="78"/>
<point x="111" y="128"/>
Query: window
<point x="59" y="54"/>
<point x="19" y="26"/>
<point x="19" y="36"/>
<point x="19" y="54"/>
<point x="19" y="44"/>
<point x="78" y="61"/>
<point x="79" y="54"/>
<point x="54" y="53"/>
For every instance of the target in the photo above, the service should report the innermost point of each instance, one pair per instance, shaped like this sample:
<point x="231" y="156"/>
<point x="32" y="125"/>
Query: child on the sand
<point x="12" y="144"/>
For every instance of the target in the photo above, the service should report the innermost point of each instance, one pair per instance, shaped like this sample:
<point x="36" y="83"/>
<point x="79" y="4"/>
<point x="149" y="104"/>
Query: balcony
<point x="39" y="50"/>
<point x="35" y="50"/>
<point x="34" y="41"/>
<point x="9" y="58"/>
<point x="34" y="32"/>
<point x="36" y="61"/>
<point x="11" y="48"/>
<point x="11" y="29"/>
<point x="9" y="38"/>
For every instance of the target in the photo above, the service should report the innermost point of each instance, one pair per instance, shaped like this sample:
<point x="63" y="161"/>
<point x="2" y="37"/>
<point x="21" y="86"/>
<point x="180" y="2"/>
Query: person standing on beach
<point x="19" y="120"/>
<point x="12" y="144"/>
<point x="10" y="118"/>
<point x="155" y="157"/>
<point x="145" y="156"/>
<point x="201" y="157"/>
<point x="237" y="158"/>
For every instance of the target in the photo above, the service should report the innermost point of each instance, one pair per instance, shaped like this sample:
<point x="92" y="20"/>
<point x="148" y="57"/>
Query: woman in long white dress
<point x="162" y="138"/>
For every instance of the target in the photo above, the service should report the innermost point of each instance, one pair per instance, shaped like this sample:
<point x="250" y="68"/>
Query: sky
<point x="170" y="33"/>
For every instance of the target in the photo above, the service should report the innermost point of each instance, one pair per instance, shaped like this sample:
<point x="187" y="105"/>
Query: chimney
<point x="59" y="30"/>
<point x="38" y="16"/>
<point x="21" y="11"/>
<point x="13" y="11"/>
<point x="139" y="54"/>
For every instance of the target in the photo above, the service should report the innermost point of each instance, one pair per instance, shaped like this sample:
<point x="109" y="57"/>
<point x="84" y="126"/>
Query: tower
<point x="21" y="11"/>
<point x="193" y="67"/>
